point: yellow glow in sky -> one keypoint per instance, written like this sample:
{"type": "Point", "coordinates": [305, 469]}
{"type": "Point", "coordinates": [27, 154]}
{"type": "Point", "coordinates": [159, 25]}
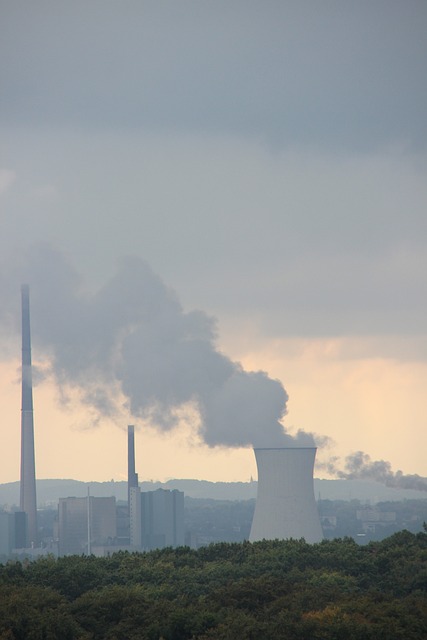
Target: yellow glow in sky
{"type": "Point", "coordinates": [374, 405]}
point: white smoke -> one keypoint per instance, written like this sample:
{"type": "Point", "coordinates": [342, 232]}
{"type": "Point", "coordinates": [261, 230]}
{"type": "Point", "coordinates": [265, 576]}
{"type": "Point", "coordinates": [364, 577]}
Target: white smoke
{"type": "Point", "coordinates": [133, 339]}
{"type": "Point", "coordinates": [359, 466]}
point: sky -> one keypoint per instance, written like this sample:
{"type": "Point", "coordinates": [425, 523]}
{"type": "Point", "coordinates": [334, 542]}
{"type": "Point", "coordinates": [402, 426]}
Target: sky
{"type": "Point", "coordinates": [220, 209]}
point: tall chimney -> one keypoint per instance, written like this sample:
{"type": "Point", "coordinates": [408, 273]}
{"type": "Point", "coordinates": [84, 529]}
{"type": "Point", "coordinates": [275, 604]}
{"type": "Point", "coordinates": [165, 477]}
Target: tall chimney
{"type": "Point", "coordinates": [28, 470]}
{"type": "Point", "coordinates": [132, 476]}
{"type": "Point", "coordinates": [285, 506]}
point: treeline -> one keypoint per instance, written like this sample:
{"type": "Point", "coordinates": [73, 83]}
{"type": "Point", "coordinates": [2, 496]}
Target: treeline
{"type": "Point", "coordinates": [268, 590]}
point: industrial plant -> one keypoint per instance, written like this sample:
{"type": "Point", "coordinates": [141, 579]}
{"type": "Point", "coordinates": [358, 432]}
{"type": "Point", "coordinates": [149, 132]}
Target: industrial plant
{"type": "Point", "coordinates": [285, 505]}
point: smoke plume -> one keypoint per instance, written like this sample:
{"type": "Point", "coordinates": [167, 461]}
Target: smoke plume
{"type": "Point", "coordinates": [132, 339]}
{"type": "Point", "coordinates": [359, 466]}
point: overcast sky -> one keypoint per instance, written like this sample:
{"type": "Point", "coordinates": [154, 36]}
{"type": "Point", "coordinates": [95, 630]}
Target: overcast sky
{"type": "Point", "coordinates": [265, 163]}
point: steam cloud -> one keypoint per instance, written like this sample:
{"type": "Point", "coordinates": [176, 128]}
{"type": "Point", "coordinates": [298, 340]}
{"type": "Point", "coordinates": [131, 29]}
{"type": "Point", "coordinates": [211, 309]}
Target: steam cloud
{"type": "Point", "coordinates": [133, 337]}
{"type": "Point", "coordinates": [359, 466]}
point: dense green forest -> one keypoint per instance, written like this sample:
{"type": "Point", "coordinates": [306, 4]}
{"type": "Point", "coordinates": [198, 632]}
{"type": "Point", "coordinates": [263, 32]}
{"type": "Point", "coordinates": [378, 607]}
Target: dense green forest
{"type": "Point", "coordinates": [228, 591]}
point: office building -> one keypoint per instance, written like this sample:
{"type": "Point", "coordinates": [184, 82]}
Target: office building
{"type": "Point", "coordinates": [86, 522]}
{"type": "Point", "coordinates": [156, 519]}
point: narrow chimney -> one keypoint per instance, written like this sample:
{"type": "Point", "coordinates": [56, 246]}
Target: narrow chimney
{"type": "Point", "coordinates": [132, 476]}
{"type": "Point", "coordinates": [28, 470]}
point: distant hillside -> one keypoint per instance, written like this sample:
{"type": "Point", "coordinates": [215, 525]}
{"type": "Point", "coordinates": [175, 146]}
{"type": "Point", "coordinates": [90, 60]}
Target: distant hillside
{"type": "Point", "coordinates": [49, 491]}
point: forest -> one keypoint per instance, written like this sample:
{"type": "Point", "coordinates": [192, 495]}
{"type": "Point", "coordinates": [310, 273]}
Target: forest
{"type": "Point", "coordinates": [281, 590]}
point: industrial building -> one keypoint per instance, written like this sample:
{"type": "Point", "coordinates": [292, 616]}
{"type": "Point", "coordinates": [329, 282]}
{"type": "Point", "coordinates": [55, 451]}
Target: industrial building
{"type": "Point", "coordinates": [156, 519]}
{"type": "Point", "coordinates": [13, 531]}
{"type": "Point", "coordinates": [7, 533]}
{"type": "Point", "coordinates": [84, 523]}
{"type": "Point", "coordinates": [285, 505]}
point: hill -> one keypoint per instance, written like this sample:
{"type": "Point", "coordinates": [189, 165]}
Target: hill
{"type": "Point", "coordinates": [50, 490]}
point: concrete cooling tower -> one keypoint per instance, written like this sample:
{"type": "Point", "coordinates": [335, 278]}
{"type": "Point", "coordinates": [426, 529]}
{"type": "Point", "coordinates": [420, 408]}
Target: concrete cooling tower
{"type": "Point", "coordinates": [285, 506]}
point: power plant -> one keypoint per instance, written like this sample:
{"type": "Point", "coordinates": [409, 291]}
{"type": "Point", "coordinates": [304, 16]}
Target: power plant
{"type": "Point", "coordinates": [28, 502]}
{"type": "Point", "coordinates": [143, 519]}
{"type": "Point", "coordinates": [285, 505]}
{"type": "Point", "coordinates": [156, 518]}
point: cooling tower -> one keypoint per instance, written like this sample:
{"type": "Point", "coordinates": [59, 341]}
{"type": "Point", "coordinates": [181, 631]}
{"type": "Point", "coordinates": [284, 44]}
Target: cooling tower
{"type": "Point", "coordinates": [285, 506]}
{"type": "Point", "coordinates": [28, 470]}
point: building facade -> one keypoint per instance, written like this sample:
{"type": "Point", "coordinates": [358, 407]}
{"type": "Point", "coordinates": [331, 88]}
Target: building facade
{"type": "Point", "coordinates": [85, 522]}
{"type": "Point", "coordinates": [7, 533]}
{"type": "Point", "coordinates": [156, 519]}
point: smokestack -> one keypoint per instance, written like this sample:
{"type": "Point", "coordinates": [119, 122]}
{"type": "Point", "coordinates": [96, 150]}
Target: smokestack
{"type": "Point", "coordinates": [28, 470]}
{"type": "Point", "coordinates": [285, 506]}
{"type": "Point", "coordinates": [132, 476]}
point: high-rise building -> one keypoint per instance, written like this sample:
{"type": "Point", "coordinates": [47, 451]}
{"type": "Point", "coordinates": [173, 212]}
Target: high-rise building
{"type": "Point", "coordinates": [28, 471]}
{"type": "Point", "coordinates": [20, 529]}
{"type": "Point", "coordinates": [285, 505]}
{"type": "Point", "coordinates": [7, 533]}
{"type": "Point", "coordinates": [84, 522]}
{"type": "Point", "coordinates": [13, 533]}
{"type": "Point", "coordinates": [156, 519]}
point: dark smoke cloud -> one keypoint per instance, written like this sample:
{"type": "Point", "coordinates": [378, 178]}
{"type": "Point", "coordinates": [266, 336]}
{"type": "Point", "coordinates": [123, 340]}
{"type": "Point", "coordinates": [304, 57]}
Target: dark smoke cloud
{"type": "Point", "coordinates": [132, 339]}
{"type": "Point", "coordinates": [359, 466]}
